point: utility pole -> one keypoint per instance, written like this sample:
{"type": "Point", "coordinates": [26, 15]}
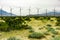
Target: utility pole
{"type": "Point", "coordinates": [29, 11]}
{"type": "Point", "coordinates": [38, 11]}
{"type": "Point", "coordinates": [20, 11]}
{"type": "Point", "coordinates": [46, 12]}
{"type": "Point", "coordinates": [54, 11]}
{"type": "Point", "coordinates": [11, 11]}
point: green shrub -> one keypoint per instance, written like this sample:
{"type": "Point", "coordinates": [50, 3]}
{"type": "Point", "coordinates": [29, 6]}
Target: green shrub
{"type": "Point", "coordinates": [51, 30]}
{"type": "Point", "coordinates": [44, 18]}
{"type": "Point", "coordinates": [28, 27]}
{"type": "Point", "coordinates": [51, 20]}
{"type": "Point", "coordinates": [12, 38]}
{"type": "Point", "coordinates": [48, 25]}
{"type": "Point", "coordinates": [57, 24]}
{"type": "Point", "coordinates": [46, 33]}
{"type": "Point", "coordinates": [58, 21]}
{"type": "Point", "coordinates": [56, 38]}
{"type": "Point", "coordinates": [40, 28]}
{"type": "Point", "coordinates": [58, 28]}
{"type": "Point", "coordinates": [14, 23]}
{"type": "Point", "coordinates": [36, 17]}
{"type": "Point", "coordinates": [31, 30]}
{"type": "Point", "coordinates": [27, 19]}
{"type": "Point", "coordinates": [3, 26]}
{"type": "Point", "coordinates": [48, 28]}
{"type": "Point", "coordinates": [36, 35]}
{"type": "Point", "coordinates": [53, 36]}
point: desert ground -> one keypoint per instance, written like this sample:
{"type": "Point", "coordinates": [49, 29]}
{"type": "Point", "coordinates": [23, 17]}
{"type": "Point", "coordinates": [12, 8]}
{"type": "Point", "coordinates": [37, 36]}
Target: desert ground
{"type": "Point", "coordinates": [48, 27]}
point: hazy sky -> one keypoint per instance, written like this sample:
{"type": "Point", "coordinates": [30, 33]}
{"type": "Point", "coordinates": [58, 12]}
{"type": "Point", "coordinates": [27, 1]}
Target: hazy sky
{"type": "Point", "coordinates": [30, 3]}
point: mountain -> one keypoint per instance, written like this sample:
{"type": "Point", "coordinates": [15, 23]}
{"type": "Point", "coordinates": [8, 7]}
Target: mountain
{"type": "Point", "coordinates": [46, 14]}
{"type": "Point", "coordinates": [5, 13]}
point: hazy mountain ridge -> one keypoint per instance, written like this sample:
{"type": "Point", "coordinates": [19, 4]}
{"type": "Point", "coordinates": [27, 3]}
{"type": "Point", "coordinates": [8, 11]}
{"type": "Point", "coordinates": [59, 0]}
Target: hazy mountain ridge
{"type": "Point", "coordinates": [5, 13]}
{"type": "Point", "coordinates": [46, 14]}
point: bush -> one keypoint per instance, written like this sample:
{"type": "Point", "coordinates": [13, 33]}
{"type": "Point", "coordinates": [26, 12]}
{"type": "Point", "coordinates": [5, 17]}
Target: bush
{"type": "Point", "coordinates": [40, 28]}
{"type": "Point", "coordinates": [58, 28]}
{"type": "Point", "coordinates": [12, 38]}
{"type": "Point", "coordinates": [36, 35]}
{"type": "Point", "coordinates": [27, 19]}
{"type": "Point", "coordinates": [15, 23]}
{"type": "Point", "coordinates": [28, 27]}
{"type": "Point", "coordinates": [36, 17]}
{"type": "Point", "coordinates": [53, 36]}
{"type": "Point", "coordinates": [46, 33]}
{"type": "Point", "coordinates": [56, 38]}
{"type": "Point", "coordinates": [31, 30]}
{"type": "Point", "coordinates": [58, 21]}
{"type": "Point", "coordinates": [51, 20]}
{"type": "Point", "coordinates": [58, 24]}
{"type": "Point", "coordinates": [48, 28]}
{"type": "Point", "coordinates": [48, 25]}
{"type": "Point", "coordinates": [3, 26]}
{"type": "Point", "coordinates": [51, 30]}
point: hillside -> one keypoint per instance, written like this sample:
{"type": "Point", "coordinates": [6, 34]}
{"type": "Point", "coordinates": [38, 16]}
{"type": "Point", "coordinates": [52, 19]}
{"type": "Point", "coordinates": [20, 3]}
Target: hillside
{"type": "Point", "coordinates": [46, 14]}
{"type": "Point", "coordinates": [5, 13]}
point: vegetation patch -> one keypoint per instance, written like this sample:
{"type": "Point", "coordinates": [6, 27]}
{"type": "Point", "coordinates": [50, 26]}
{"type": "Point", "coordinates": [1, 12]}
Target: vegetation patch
{"type": "Point", "coordinates": [13, 23]}
{"type": "Point", "coordinates": [3, 26]}
{"type": "Point", "coordinates": [57, 28]}
{"type": "Point", "coordinates": [56, 38]}
{"type": "Point", "coordinates": [48, 25]}
{"type": "Point", "coordinates": [52, 30]}
{"type": "Point", "coordinates": [13, 38]}
{"type": "Point", "coordinates": [20, 26]}
{"type": "Point", "coordinates": [36, 35]}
